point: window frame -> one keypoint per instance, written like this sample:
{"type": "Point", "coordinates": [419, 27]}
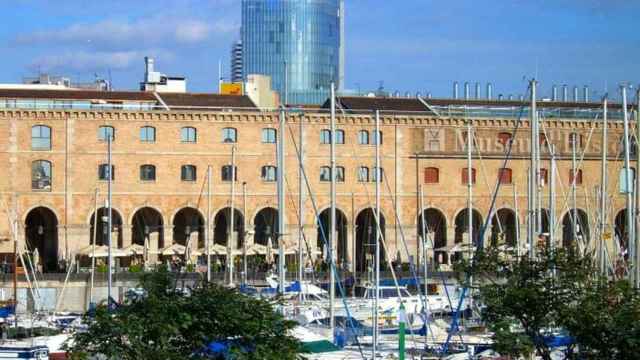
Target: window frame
{"type": "Point", "coordinates": [104, 138]}
{"type": "Point", "coordinates": [184, 173]}
{"type": "Point", "coordinates": [379, 135]}
{"type": "Point", "coordinates": [229, 140]}
{"type": "Point", "coordinates": [340, 137]}
{"type": "Point", "coordinates": [578, 177]}
{"type": "Point", "coordinates": [224, 171]}
{"type": "Point", "coordinates": [41, 127]}
{"type": "Point", "coordinates": [340, 174]}
{"type": "Point", "coordinates": [43, 179]}
{"type": "Point", "coordinates": [104, 166]}
{"type": "Point", "coordinates": [505, 176]}
{"type": "Point", "coordinates": [325, 174]}
{"type": "Point", "coordinates": [365, 170]}
{"type": "Point", "coordinates": [269, 131]}
{"type": "Point", "coordinates": [185, 135]}
{"type": "Point", "coordinates": [265, 171]}
{"type": "Point", "coordinates": [145, 130]}
{"type": "Point", "coordinates": [375, 173]}
{"type": "Point", "coordinates": [464, 176]}
{"type": "Point", "coordinates": [437, 175]}
{"type": "Point", "coordinates": [144, 168]}
{"type": "Point", "coordinates": [363, 137]}
{"type": "Point", "coordinates": [324, 140]}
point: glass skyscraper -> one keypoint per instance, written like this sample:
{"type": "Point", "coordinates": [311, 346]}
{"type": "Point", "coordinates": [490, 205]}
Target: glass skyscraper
{"type": "Point", "coordinates": [299, 43]}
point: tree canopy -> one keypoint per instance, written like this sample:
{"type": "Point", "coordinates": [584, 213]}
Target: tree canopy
{"type": "Point", "coordinates": [527, 300]}
{"type": "Point", "coordinates": [170, 323]}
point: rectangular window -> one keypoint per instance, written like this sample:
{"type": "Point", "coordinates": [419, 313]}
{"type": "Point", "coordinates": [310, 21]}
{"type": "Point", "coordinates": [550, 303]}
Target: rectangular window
{"type": "Point", "coordinates": [188, 173]}
{"type": "Point", "coordinates": [465, 176]}
{"type": "Point", "coordinates": [578, 177]}
{"type": "Point", "coordinates": [504, 175]}
{"type": "Point", "coordinates": [104, 132]}
{"type": "Point", "coordinates": [41, 175]}
{"type": "Point", "coordinates": [363, 174]}
{"type": "Point", "coordinates": [228, 171]}
{"type": "Point", "coordinates": [431, 175]}
{"type": "Point", "coordinates": [147, 173]}
{"type": "Point", "coordinates": [148, 134]}
{"type": "Point", "coordinates": [269, 136]}
{"type": "Point", "coordinates": [268, 173]}
{"type": "Point", "coordinates": [103, 172]}
{"type": "Point", "coordinates": [376, 172]}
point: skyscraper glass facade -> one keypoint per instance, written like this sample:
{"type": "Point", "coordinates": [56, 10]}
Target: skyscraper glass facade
{"type": "Point", "coordinates": [296, 42]}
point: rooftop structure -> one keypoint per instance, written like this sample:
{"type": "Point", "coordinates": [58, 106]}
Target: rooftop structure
{"type": "Point", "coordinates": [158, 82]}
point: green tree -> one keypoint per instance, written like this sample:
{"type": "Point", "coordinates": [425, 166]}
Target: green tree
{"type": "Point", "coordinates": [169, 323]}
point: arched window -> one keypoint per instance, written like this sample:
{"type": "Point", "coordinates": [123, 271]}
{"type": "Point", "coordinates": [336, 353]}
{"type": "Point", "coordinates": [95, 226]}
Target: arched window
{"type": "Point", "coordinates": [339, 136]}
{"type": "Point", "coordinates": [104, 132]}
{"type": "Point", "coordinates": [188, 134]}
{"type": "Point", "coordinates": [268, 173]}
{"type": "Point", "coordinates": [377, 139]}
{"type": "Point", "coordinates": [363, 137]}
{"type": "Point", "coordinates": [188, 173]}
{"type": "Point", "coordinates": [465, 173]}
{"type": "Point", "coordinates": [148, 134]}
{"type": "Point", "coordinates": [504, 175]}
{"type": "Point", "coordinates": [41, 175]}
{"type": "Point", "coordinates": [40, 137]}
{"type": "Point", "coordinates": [228, 173]}
{"type": "Point", "coordinates": [431, 175]}
{"type": "Point", "coordinates": [229, 135]}
{"type": "Point", "coordinates": [325, 136]}
{"type": "Point", "coordinates": [340, 173]}
{"type": "Point", "coordinates": [325, 173]}
{"type": "Point", "coordinates": [148, 172]}
{"type": "Point", "coordinates": [103, 172]}
{"type": "Point", "coordinates": [578, 177]}
{"type": "Point", "coordinates": [269, 136]}
{"type": "Point", "coordinates": [363, 174]}
{"type": "Point", "coordinates": [504, 138]}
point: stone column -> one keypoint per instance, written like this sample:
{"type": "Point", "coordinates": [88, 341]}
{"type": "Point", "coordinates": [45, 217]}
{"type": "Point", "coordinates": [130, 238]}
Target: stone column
{"type": "Point", "coordinates": [127, 238]}
{"type": "Point", "coordinates": [153, 243]}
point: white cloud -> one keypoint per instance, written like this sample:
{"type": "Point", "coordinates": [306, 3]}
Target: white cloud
{"type": "Point", "coordinates": [115, 34]}
{"type": "Point", "coordinates": [94, 61]}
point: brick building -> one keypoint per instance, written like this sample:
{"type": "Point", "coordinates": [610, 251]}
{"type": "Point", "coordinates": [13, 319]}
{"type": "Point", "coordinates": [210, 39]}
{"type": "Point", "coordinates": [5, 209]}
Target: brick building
{"type": "Point", "coordinates": [53, 160]}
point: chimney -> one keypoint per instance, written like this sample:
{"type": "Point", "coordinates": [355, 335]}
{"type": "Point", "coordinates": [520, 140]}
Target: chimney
{"type": "Point", "coordinates": [489, 91]}
{"type": "Point", "coordinates": [554, 93]}
{"type": "Point", "coordinates": [586, 93]}
{"type": "Point", "coordinates": [575, 94]}
{"type": "Point", "coordinates": [455, 90]}
{"type": "Point", "coordinates": [466, 90]}
{"type": "Point", "coordinates": [500, 97]}
{"type": "Point", "coordinates": [565, 93]}
{"type": "Point", "coordinates": [510, 97]}
{"type": "Point", "coordinates": [429, 95]}
{"type": "Point", "coordinates": [148, 67]}
{"type": "Point", "coordinates": [477, 90]}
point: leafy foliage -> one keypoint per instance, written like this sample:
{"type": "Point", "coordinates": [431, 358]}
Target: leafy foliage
{"type": "Point", "coordinates": [527, 299]}
{"type": "Point", "coordinates": [170, 323]}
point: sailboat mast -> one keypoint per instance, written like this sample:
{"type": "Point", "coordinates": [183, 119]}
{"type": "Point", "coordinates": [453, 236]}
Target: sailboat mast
{"type": "Point", "coordinates": [300, 203]}
{"type": "Point", "coordinates": [628, 189]}
{"type": "Point", "coordinates": [603, 188]}
{"type": "Point", "coordinates": [93, 243]}
{"type": "Point", "coordinates": [552, 197]}
{"type": "Point", "coordinates": [637, 219]}
{"type": "Point", "coordinates": [533, 187]}
{"type": "Point", "coordinates": [109, 218]}
{"type": "Point", "coordinates": [378, 173]}
{"type": "Point", "coordinates": [469, 186]}
{"type": "Point", "coordinates": [244, 232]}
{"type": "Point", "coordinates": [207, 232]}
{"type": "Point", "coordinates": [281, 201]}
{"type": "Point", "coordinates": [424, 256]}
{"type": "Point", "coordinates": [332, 229]}
{"type": "Point", "coordinates": [231, 241]}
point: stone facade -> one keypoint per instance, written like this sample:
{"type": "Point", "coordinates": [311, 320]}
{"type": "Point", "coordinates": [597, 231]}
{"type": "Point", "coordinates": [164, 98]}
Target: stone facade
{"type": "Point", "coordinates": [410, 144]}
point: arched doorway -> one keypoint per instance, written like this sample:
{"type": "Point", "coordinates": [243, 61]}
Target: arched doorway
{"type": "Point", "coordinates": [366, 230]}
{"type": "Point", "coordinates": [221, 229]}
{"type": "Point", "coordinates": [41, 232]}
{"type": "Point", "coordinates": [148, 228]}
{"type": "Point", "coordinates": [575, 225]}
{"type": "Point", "coordinates": [435, 230]}
{"type": "Point", "coordinates": [266, 227]}
{"type": "Point", "coordinates": [101, 232]}
{"type": "Point", "coordinates": [188, 223]}
{"type": "Point", "coordinates": [462, 227]}
{"type": "Point", "coordinates": [504, 228]}
{"type": "Point", "coordinates": [622, 234]}
{"type": "Point", "coordinates": [324, 233]}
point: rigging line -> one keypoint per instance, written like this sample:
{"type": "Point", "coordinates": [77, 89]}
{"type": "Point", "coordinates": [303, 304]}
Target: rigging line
{"type": "Point", "coordinates": [304, 237]}
{"type": "Point", "coordinates": [379, 173]}
{"type": "Point", "coordinates": [324, 239]}
{"type": "Point", "coordinates": [454, 325]}
{"type": "Point", "coordinates": [406, 248]}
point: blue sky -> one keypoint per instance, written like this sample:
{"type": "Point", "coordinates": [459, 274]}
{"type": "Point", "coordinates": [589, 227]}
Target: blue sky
{"type": "Point", "coordinates": [410, 45]}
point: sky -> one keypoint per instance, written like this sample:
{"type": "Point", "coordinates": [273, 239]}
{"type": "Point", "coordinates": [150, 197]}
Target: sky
{"type": "Point", "coordinates": [403, 45]}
